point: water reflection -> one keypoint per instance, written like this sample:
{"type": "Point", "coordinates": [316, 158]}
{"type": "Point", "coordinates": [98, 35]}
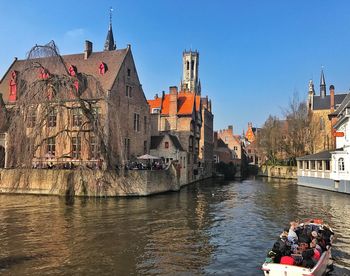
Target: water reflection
{"type": "Point", "coordinates": [213, 227]}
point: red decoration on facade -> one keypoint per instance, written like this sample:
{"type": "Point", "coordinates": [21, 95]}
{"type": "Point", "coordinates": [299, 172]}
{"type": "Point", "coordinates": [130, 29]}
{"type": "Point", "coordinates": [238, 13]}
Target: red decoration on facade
{"type": "Point", "coordinates": [44, 74]}
{"type": "Point", "coordinates": [73, 72]}
{"type": "Point", "coordinates": [102, 68]}
{"type": "Point", "coordinates": [13, 87]}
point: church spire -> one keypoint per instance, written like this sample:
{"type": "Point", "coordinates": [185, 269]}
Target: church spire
{"type": "Point", "coordinates": [110, 43]}
{"type": "Point", "coordinates": [322, 85]}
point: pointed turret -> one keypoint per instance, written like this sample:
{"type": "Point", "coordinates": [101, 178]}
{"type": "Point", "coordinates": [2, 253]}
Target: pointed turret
{"type": "Point", "coordinates": [110, 43]}
{"type": "Point", "coordinates": [322, 85]}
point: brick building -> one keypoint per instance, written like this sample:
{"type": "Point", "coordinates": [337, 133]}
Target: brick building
{"type": "Point", "coordinates": [88, 107]}
{"type": "Point", "coordinates": [319, 107]}
{"type": "Point", "coordinates": [187, 116]}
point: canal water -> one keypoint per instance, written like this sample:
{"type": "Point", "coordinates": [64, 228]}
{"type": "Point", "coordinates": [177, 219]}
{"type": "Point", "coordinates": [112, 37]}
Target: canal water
{"type": "Point", "coordinates": [212, 227]}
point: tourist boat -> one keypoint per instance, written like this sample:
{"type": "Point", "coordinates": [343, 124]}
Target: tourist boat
{"type": "Point", "coordinates": [321, 267]}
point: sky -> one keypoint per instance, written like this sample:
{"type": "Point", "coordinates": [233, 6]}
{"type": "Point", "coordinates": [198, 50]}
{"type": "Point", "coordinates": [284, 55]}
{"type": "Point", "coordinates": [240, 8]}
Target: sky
{"type": "Point", "coordinates": [254, 55]}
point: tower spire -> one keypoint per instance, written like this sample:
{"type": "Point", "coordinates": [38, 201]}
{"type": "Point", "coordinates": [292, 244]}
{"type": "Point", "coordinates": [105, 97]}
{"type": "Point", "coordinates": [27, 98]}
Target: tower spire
{"type": "Point", "coordinates": [110, 43]}
{"type": "Point", "coordinates": [322, 85]}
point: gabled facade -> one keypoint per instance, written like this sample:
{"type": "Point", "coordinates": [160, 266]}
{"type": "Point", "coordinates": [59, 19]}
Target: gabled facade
{"type": "Point", "coordinates": [319, 107]}
{"type": "Point", "coordinates": [84, 109]}
{"type": "Point", "coordinates": [179, 114]}
{"type": "Point", "coordinates": [168, 148]}
{"type": "Point", "coordinates": [341, 156]}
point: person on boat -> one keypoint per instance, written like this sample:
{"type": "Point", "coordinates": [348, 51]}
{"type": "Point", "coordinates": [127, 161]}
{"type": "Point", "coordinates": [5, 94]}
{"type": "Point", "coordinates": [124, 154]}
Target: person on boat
{"type": "Point", "coordinates": [315, 246]}
{"type": "Point", "coordinates": [281, 247]}
{"type": "Point", "coordinates": [308, 261]}
{"type": "Point", "coordinates": [292, 235]}
{"type": "Point", "coordinates": [287, 260]}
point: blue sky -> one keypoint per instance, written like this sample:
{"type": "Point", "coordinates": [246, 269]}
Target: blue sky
{"type": "Point", "coordinates": [254, 54]}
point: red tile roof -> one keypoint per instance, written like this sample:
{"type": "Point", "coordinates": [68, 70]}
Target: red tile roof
{"type": "Point", "coordinates": [187, 102]}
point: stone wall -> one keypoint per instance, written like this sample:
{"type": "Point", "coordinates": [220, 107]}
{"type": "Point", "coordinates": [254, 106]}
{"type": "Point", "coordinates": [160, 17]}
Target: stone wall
{"type": "Point", "coordinates": [286, 172]}
{"type": "Point", "coordinates": [88, 182]}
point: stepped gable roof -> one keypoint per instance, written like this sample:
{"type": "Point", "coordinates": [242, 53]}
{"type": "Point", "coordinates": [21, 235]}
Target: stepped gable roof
{"type": "Point", "coordinates": [89, 66]}
{"type": "Point", "coordinates": [156, 140]}
{"type": "Point", "coordinates": [320, 103]}
{"type": "Point", "coordinates": [186, 103]}
{"type": "Point", "coordinates": [323, 155]}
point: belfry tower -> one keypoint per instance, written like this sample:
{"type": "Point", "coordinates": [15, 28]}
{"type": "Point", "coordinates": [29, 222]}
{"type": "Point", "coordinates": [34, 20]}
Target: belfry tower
{"type": "Point", "coordinates": [110, 43]}
{"type": "Point", "coordinates": [190, 81]}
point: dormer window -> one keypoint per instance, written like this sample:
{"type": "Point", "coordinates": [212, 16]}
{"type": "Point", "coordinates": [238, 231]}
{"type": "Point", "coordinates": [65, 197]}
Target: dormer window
{"type": "Point", "coordinates": [72, 70]}
{"type": "Point", "coordinates": [44, 74]}
{"type": "Point", "coordinates": [156, 110]}
{"type": "Point", "coordinates": [102, 68]}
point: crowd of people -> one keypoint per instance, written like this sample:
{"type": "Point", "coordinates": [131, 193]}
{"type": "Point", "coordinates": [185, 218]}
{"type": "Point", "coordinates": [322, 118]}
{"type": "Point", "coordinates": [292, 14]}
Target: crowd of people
{"type": "Point", "coordinates": [155, 165]}
{"type": "Point", "coordinates": [301, 244]}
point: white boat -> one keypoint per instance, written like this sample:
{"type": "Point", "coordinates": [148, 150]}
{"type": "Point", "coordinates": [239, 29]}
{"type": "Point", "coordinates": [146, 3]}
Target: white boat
{"type": "Point", "coordinates": [320, 268]}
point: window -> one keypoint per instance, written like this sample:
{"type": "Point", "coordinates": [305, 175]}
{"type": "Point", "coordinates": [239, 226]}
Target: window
{"type": "Point", "coordinates": [145, 124]}
{"type": "Point", "coordinates": [155, 110]}
{"type": "Point", "coordinates": [144, 147]}
{"type": "Point", "coordinates": [96, 112]}
{"type": "Point", "coordinates": [235, 148]}
{"type": "Point", "coordinates": [31, 117]}
{"type": "Point", "coordinates": [166, 145]}
{"type": "Point", "coordinates": [127, 147]}
{"type": "Point", "coordinates": [128, 91]}
{"type": "Point", "coordinates": [226, 139]}
{"type": "Point", "coordinates": [51, 146]}
{"type": "Point", "coordinates": [328, 165]}
{"type": "Point", "coordinates": [52, 118]}
{"type": "Point", "coordinates": [341, 165]}
{"type": "Point", "coordinates": [136, 122]}
{"type": "Point", "coordinates": [313, 165]}
{"type": "Point", "coordinates": [190, 147]}
{"type": "Point", "coordinates": [307, 165]}
{"type": "Point", "coordinates": [129, 72]}
{"type": "Point", "coordinates": [94, 147]}
{"type": "Point", "coordinates": [77, 117]}
{"type": "Point", "coordinates": [76, 147]}
{"type": "Point", "coordinates": [192, 65]}
{"type": "Point", "coordinates": [188, 65]}
{"type": "Point", "coordinates": [319, 165]}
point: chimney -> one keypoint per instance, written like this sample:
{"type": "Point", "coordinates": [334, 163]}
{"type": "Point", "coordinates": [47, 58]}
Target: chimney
{"type": "Point", "coordinates": [331, 93]}
{"type": "Point", "coordinates": [230, 128]}
{"type": "Point", "coordinates": [88, 49]}
{"type": "Point", "coordinates": [172, 100]}
{"type": "Point", "coordinates": [250, 125]}
{"type": "Point", "coordinates": [156, 96]}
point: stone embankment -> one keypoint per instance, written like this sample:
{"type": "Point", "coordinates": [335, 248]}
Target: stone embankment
{"type": "Point", "coordinates": [84, 182]}
{"type": "Point", "coordinates": [286, 172]}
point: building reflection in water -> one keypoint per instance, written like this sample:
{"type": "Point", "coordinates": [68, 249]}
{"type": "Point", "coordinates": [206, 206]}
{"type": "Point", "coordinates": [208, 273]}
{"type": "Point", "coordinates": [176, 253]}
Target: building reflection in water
{"type": "Point", "coordinates": [210, 227]}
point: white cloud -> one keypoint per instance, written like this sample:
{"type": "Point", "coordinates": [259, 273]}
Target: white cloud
{"type": "Point", "coordinates": [75, 33]}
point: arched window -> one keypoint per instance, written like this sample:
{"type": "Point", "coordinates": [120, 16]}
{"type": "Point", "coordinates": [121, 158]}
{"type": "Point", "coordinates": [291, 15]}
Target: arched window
{"type": "Point", "coordinates": [322, 126]}
{"type": "Point", "coordinates": [341, 165]}
{"type": "Point", "coordinates": [188, 65]}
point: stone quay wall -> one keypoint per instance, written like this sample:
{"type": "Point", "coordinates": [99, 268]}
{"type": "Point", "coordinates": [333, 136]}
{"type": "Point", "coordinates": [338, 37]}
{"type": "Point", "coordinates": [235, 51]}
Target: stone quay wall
{"type": "Point", "coordinates": [84, 182]}
{"type": "Point", "coordinates": [286, 172]}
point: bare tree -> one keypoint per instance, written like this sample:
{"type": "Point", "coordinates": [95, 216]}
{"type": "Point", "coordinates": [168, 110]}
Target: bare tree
{"type": "Point", "coordinates": [66, 95]}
